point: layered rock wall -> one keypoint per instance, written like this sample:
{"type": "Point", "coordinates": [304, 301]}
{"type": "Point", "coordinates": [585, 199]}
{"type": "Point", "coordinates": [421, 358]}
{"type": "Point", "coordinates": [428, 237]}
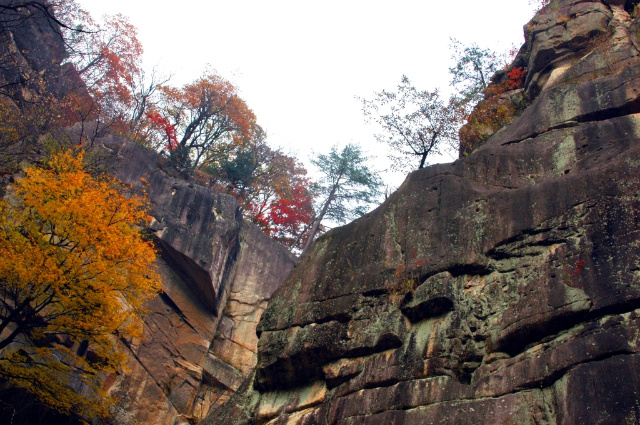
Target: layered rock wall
{"type": "Point", "coordinates": [218, 274]}
{"type": "Point", "coordinates": [503, 288]}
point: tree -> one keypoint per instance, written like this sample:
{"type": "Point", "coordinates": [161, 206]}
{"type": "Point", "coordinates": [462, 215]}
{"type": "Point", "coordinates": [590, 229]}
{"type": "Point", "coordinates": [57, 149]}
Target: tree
{"type": "Point", "coordinates": [417, 123]}
{"type": "Point", "coordinates": [488, 99]}
{"type": "Point", "coordinates": [204, 114]}
{"type": "Point", "coordinates": [107, 56]}
{"type": "Point", "coordinates": [288, 216]}
{"type": "Point", "coordinates": [74, 274]}
{"type": "Point", "coordinates": [45, 95]}
{"type": "Point", "coordinates": [271, 187]}
{"type": "Point", "coordinates": [472, 72]}
{"type": "Point", "coordinates": [347, 186]}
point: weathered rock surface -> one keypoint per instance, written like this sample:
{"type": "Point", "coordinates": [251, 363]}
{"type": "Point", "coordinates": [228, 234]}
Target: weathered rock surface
{"type": "Point", "coordinates": [218, 274]}
{"type": "Point", "coordinates": [503, 288]}
{"type": "Point", "coordinates": [30, 47]}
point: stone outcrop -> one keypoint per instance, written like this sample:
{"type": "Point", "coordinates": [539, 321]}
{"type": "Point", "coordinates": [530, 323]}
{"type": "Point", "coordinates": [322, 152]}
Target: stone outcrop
{"type": "Point", "coordinates": [218, 274]}
{"type": "Point", "coordinates": [503, 288]}
{"type": "Point", "coordinates": [30, 47]}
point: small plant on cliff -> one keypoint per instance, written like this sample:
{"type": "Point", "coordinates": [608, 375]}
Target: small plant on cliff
{"type": "Point", "coordinates": [571, 275]}
{"type": "Point", "coordinates": [498, 108]}
{"type": "Point", "coordinates": [74, 273]}
{"type": "Point", "coordinates": [486, 105]}
{"type": "Point", "coordinates": [407, 274]}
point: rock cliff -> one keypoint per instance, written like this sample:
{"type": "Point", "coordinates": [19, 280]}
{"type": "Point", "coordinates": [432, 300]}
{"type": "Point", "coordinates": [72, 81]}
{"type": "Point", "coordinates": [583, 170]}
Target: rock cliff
{"type": "Point", "coordinates": [503, 288]}
{"type": "Point", "coordinates": [218, 272]}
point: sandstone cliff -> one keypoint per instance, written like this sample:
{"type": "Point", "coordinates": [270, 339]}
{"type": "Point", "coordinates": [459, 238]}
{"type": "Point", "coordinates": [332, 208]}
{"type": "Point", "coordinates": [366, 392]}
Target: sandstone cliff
{"type": "Point", "coordinates": [218, 272]}
{"type": "Point", "coordinates": [503, 288]}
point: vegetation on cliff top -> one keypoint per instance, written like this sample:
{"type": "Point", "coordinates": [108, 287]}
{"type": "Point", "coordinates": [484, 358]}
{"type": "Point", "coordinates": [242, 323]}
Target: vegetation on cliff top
{"type": "Point", "coordinates": [347, 186]}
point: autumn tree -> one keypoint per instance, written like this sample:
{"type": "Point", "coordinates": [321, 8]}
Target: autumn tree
{"type": "Point", "coordinates": [74, 274]}
{"type": "Point", "coordinates": [280, 200]}
{"type": "Point", "coordinates": [347, 187]}
{"type": "Point", "coordinates": [98, 69]}
{"type": "Point", "coordinates": [39, 93]}
{"type": "Point", "coordinates": [489, 92]}
{"type": "Point", "coordinates": [472, 72]}
{"type": "Point", "coordinates": [205, 115]}
{"type": "Point", "coordinates": [416, 123]}
{"type": "Point", "coordinates": [288, 216]}
{"type": "Point", "coordinates": [272, 188]}
{"type": "Point", "coordinates": [107, 56]}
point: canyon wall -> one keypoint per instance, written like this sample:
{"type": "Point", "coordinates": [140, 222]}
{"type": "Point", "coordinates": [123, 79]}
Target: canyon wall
{"type": "Point", "coordinates": [503, 288]}
{"type": "Point", "coordinates": [218, 273]}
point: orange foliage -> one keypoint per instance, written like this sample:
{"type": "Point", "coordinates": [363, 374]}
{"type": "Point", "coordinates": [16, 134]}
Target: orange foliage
{"type": "Point", "coordinates": [515, 78]}
{"type": "Point", "coordinates": [106, 86]}
{"type": "Point", "coordinates": [205, 113]}
{"type": "Point", "coordinates": [74, 268]}
{"type": "Point", "coordinates": [497, 109]}
{"type": "Point", "coordinates": [108, 58]}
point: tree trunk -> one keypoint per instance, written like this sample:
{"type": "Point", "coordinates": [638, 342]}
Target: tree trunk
{"type": "Point", "coordinates": [423, 160]}
{"type": "Point", "coordinates": [316, 223]}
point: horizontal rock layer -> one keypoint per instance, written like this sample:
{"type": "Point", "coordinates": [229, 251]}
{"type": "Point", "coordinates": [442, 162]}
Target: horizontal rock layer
{"type": "Point", "coordinates": [503, 288]}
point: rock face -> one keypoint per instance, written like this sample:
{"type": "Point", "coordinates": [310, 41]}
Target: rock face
{"type": "Point", "coordinates": [29, 46]}
{"type": "Point", "coordinates": [218, 274]}
{"type": "Point", "coordinates": [503, 288]}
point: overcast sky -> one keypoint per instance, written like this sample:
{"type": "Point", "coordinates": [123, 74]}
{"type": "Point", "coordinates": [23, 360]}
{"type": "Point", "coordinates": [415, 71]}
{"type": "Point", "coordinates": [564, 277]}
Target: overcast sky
{"type": "Point", "coordinates": [300, 64]}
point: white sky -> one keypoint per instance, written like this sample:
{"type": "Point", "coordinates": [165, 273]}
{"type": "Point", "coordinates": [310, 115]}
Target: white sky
{"type": "Point", "coordinates": [300, 64]}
